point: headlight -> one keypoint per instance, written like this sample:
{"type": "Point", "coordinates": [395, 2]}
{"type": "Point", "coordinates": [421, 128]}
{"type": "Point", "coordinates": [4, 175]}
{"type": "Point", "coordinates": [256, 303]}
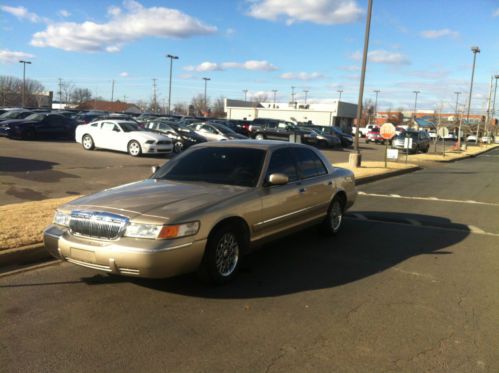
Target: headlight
{"type": "Point", "coordinates": [60, 218]}
{"type": "Point", "coordinates": [150, 142]}
{"type": "Point", "coordinates": [161, 231]}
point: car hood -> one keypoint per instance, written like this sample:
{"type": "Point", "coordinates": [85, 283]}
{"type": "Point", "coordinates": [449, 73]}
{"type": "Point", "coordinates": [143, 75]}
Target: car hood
{"type": "Point", "coordinates": [146, 135]}
{"type": "Point", "coordinates": [153, 198]}
{"type": "Point", "coordinates": [16, 121]}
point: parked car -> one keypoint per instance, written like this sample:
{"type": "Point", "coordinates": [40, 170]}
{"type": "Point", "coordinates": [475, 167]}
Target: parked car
{"type": "Point", "coordinates": [325, 140]}
{"type": "Point", "coordinates": [122, 136]}
{"type": "Point", "coordinates": [182, 137]}
{"type": "Point", "coordinates": [374, 135]}
{"type": "Point", "coordinates": [239, 126]}
{"type": "Point", "coordinates": [346, 139]}
{"type": "Point", "coordinates": [85, 118]}
{"type": "Point", "coordinates": [487, 139]}
{"type": "Point", "coordinates": [471, 138]}
{"type": "Point", "coordinates": [39, 126]}
{"type": "Point", "coordinates": [363, 131]}
{"type": "Point", "coordinates": [433, 135]}
{"type": "Point", "coordinates": [420, 141]}
{"type": "Point", "coordinates": [215, 131]}
{"type": "Point", "coordinates": [15, 114]}
{"type": "Point", "coordinates": [274, 129]}
{"type": "Point", "coordinates": [203, 210]}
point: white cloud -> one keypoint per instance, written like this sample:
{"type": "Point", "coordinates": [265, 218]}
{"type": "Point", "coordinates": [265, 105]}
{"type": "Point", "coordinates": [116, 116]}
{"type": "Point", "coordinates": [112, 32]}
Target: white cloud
{"type": "Point", "coordinates": [434, 34]}
{"type": "Point", "coordinates": [22, 13]}
{"type": "Point", "coordinates": [124, 74]}
{"type": "Point", "coordinates": [125, 25]}
{"type": "Point", "coordinates": [326, 12]}
{"type": "Point", "coordinates": [302, 76]}
{"type": "Point", "coordinates": [7, 56]}
{"type": "Point", "coordinates": [252, 65]}
{"type": "Point", "coordinates": [495, 13]}
{"type": "Point", "coordinates": [382, 56]}
{"type": "Point", "coordinates": [64, 13]}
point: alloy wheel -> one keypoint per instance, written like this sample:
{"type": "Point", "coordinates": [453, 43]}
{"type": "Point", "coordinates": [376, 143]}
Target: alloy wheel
{"type": "Point", "coordinates": [227, 254]}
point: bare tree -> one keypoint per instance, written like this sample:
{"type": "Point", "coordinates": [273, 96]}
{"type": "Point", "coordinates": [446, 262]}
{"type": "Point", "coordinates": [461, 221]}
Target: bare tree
{"type": "Point", "coordinates": [11, 91]}
{"type": "Point", "coordinates": [199, 106]}
{"type": "Point", "coordinates": [218, 108]}
{"type": "Point", "coordinates": [260, 97]}
{"type": "Point", "coordinates": [80, 95]}
{"type": "Point", "coordinates": [180, 108]}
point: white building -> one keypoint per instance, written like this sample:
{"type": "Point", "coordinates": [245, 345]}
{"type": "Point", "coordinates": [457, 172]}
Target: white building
{"type": "Point", "coordinates": [338, 113]}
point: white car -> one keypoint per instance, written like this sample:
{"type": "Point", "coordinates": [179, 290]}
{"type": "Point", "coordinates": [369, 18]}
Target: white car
{"type": "Point", "coordinates": [215, 132]}
{"type": "Point", "coordinates": [124, 136]}
{"type": "Point", "coordinates": [471, 138]}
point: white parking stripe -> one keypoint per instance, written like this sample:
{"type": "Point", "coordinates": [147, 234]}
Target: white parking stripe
{"type": "Point", "coordinates": [471, 202]}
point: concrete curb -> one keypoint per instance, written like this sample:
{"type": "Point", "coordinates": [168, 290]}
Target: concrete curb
{"type": "Point", "coordinates": [370, 179]}
{"type": "Point", "coordinates": [25, 255]}
{"type": "Point", "coordinates": [468, 156]}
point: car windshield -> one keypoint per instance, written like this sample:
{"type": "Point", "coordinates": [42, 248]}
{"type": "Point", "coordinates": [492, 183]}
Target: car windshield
{"type": "Point", "coordinates": [217, 165]}
{"type": "Point", "coordinates": [225, 130]}
{"type": "Point", "coordinates": [130, 126]}
{"type": "Point", "coordinates": [11, 114]}
{"type": "Point", "coordinates": [402, 136]}
{"type": "Point", "coordinates": [36, 116]}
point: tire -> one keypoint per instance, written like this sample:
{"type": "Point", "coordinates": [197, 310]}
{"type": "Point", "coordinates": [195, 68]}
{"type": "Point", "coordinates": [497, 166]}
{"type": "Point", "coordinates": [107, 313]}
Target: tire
{"type": "Point", "coordinates": [259, 137]}
{"type": "Point", "coordinates": [87, 142]}
{"type": "Point", "coordinates": [334, 219]}
{"type": "Point", "coordinates": [222, 255]}
{"type": "Point", "coordinates": [323, 144]}
{"type": "Point", "coordinates": [134, 148]}
{"type": "Point", "coordinates": [178, 146]}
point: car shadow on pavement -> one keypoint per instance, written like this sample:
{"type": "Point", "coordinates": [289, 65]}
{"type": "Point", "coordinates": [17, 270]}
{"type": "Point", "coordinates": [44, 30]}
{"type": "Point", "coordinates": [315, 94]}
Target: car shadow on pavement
{"type": "Point", "coordinates": [308, 261]}
{"type": "Point", "coordinates": [14, 164]}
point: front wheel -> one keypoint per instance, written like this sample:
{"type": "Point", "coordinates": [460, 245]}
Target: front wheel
{"type": "Point", "coordinates": [134, 149]}
{"type": "Point", "coordinates": [87, 142]}
{"type": "Point", "coordinates": [334, 218]}
{"type": "Point", "coordinates": [222, 256]}
{"type": "Point", "coordinates": [178, 146]}
{"type": "Point", "coordinates": [259, 137]}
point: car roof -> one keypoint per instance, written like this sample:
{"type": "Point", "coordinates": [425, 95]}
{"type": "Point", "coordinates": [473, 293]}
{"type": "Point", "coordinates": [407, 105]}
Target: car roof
{"type": "Point", "coordinates": [255, 144]}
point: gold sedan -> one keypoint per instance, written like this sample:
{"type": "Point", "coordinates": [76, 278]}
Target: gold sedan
{"type": "Point", "coordinates": [203, 210]}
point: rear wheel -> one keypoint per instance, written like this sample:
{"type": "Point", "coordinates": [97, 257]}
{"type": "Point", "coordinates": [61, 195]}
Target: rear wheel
{"type": "Point", "coordinates": [87, 142]}
{"type": "Point", "coordinates": [134, 148]}
{"type": "Point", "coordinates": [259, 136]}
{"type": "Point", "coordinates": [178, 146]}
{"type": "Point", "coordinates": [334, 219]}
{"type": "Point", "coordinates": [223, 254]}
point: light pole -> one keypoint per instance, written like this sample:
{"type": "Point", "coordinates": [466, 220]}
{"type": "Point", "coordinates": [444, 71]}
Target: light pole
{"type": "Point", "coordinates": [171, 57]}
{"type": "Point", "coordinates": [415, 104]}
{"type": "Point", "coordinates": [293, 94]}
{"type": "Point", "coordinates": [494, 100]}
{"type": "Point", "coordinates": [377, 91]}
{"type": "Point", "coordinates": [205, 85]}
{"type": "Point", "coordinates": [245, 91]}
{"type": "Point", "coordinates": [24, 80]}
{"type": "Point", "coordinates": [457, 101]}
{"type": "Point", "coordinates": [340, 91]}
{"type": "Point", "coordinates": [275, 91]}
{"type": "Point", "coordinates": [306, 95]}
{"type": "Point", "coordinates": [475, 50]}
{"type": "Point", "coordinates": [355, 158]}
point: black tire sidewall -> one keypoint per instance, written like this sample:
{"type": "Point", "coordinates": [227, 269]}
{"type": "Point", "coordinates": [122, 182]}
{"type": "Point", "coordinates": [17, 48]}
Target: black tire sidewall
{"type": "Point", "coordinates": [91, 139]}
{"type": "Point", "coordinates": [326, 227]}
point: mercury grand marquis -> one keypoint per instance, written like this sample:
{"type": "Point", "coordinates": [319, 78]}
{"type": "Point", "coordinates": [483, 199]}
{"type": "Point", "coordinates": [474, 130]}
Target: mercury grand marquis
{"type": "Point", "coordinates": [203, 210]}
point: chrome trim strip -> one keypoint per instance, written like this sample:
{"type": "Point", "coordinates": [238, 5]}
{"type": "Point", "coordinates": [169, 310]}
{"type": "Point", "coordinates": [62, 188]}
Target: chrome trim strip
{"type": "Point", "coordinates": [288, 214]}
{"type": "Point", "coordinates": [88, 265]}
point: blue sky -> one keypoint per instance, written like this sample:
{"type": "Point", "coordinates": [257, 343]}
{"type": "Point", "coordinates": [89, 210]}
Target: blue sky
{"type": "Point", "coordinates": [258, 45]}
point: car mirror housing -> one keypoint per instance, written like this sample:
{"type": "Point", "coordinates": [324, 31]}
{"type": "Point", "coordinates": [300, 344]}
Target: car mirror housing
{"type": "Point", "coordinates": [278, 179]}
{"type": "Point", "coordinates": [154, 169]}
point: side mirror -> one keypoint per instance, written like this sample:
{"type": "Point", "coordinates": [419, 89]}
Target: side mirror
{"type": "Point", "coordinates": [278, 179]}
{"type": "Point", "coordinates": [154, 169]}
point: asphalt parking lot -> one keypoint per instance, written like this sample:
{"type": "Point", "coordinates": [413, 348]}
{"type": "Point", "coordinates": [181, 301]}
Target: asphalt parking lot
{"type": "Point", "coordinates": [37, 170]}
{"type": "Point", "coordinates": [409, 285]}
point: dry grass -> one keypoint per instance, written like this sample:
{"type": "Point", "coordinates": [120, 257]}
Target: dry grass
{"type": "Point", "coordinates": [22, 223]}
{"type": "Point", "coordinates": [451, 155]}
{"type": "Point", "coordinates": [375, 168]}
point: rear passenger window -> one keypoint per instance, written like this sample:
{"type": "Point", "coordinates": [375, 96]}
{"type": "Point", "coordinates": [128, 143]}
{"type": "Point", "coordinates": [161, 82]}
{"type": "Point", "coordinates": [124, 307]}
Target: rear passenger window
{"type": "Point", "coordinates": [282, 162]}
{"type": "Point", "coordinates": [309, 164]}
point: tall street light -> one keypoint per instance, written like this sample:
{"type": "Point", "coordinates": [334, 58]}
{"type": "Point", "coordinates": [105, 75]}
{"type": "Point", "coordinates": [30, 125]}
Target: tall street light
{"type": "Point", "coordinates": [415, 103]}
{"type": "Point", "coordinates": [355, 158]}
{"type": "Point", "coordinates": [275, 91]}
{"type": "Point", "coordinates": [171, 57]}
{"type": "Point", "coordinates": [475, 50]}
{"type": "Point", "coordinates": [340, 91]}
{"type": "Point", "coordinates": [306, 95]}
{"type": "Point", "coordinates": [24, 80]}
{"type": "Point", "coordinates": [245, 91]}
{"type": "Point", "coordinates": [457, 101]}
{"type": "Point", "coordinates": [376, 91]}
{"type": "Point", "coordinates": [293, 94]}
{"type": "Point", "coordinates": [494, 99]}
{"type": "Point", "coordinates": [205, 84]}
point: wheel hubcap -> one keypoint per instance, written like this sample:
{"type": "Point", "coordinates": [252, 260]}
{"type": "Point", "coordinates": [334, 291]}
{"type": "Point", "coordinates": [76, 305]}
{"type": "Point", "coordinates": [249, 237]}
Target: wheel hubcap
{"type": "Point", "coordinates": [227, 254]}
{"type": "Point", "coordinates": [178, 147]}
{"type": "Point", "coordinates": [336, 216]}
{"type": "Point", "coordinates": [134, 148]}
{"type": "Point", "coordinates": [87, 143]}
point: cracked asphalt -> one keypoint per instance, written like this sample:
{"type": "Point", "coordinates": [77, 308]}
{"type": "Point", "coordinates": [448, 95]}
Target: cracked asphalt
{"type": "Point", "coordinates": [408, 285]}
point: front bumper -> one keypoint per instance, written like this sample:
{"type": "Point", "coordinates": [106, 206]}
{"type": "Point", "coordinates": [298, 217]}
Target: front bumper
{"type": "Point", "coordinates": [126, 256]}
{"type": "Point", "coordinates": [155, 149]}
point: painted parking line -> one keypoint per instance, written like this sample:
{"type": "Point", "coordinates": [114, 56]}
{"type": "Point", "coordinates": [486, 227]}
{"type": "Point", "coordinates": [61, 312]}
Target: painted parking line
{"type": "Point", "coordinates": [433, 199]}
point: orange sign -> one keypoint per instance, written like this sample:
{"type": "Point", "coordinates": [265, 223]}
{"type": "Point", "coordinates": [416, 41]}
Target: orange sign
{"type": "Point", "coordinates": [387, 131]}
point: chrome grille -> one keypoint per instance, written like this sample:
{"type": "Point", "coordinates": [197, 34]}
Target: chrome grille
{"type": "Point", "coordinates": [164, 142]}
{"type": "Point", "coordinates": [97, 224]}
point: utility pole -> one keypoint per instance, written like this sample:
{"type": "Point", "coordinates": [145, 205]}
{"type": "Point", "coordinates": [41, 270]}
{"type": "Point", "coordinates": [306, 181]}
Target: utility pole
{"type": "Point", "coordinates": [124, 99]}
{"type": "Point", "coordinates": [112, 92]}
{"type": "Point", "coordinates": [154, 97]}
{"type": "Point", "coordinates": [205, 87]}
{"type": "Point", "coordinates": [24, 80]}
{"type": "Point", "coordinates": [475, 50]}
{"type": "Point", "coordinates": [355, 158]}
{"type": "Point", "coordinates": [340, 91]}
{"type": "Point", "coordinates": [457, 102]}
{"type": "Point", "coordinates": [377, 91]}
{"type": "Point", "coordinates": [306, 95]}
{"type": "Point", "coordinates": [415, 104]}
{"type": "Point", "coordinates": [60, 93]}
{"type": "Point", "coordinates": [489, 104]}
{"type": "Point", "coordinates": [275, 91]}
{"type": "Point", "coordinates": [171, 57]}
{"type": "Point", "coordinates": [494, 100]}
{"type": "Point", "coordinates": [245, 91]}
{"type": "Point", "coordinates": [293, 94]}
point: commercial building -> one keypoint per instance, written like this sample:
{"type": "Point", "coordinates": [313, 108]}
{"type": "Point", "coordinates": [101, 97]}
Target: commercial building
{"type": "Point", "coordinates": [337, 113]}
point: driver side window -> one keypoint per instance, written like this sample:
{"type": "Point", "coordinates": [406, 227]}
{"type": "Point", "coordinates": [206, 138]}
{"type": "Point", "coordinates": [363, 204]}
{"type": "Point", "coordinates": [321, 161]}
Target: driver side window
{"type": "Point", "coordinates": [283, 162]}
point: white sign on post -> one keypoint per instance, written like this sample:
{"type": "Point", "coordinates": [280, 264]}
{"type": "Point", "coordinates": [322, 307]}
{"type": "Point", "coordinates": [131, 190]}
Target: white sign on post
{"type": "Point", "coordinates": [392, 154]}
{"type": "Point", "coordinates": [408, 143]}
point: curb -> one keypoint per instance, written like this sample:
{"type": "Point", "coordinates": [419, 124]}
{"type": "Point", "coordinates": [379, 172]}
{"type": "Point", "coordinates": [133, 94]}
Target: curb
{"type": "Point", "coordinates": [20, 256]}
{"type": "Point", "coordinates": [370, 179]}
